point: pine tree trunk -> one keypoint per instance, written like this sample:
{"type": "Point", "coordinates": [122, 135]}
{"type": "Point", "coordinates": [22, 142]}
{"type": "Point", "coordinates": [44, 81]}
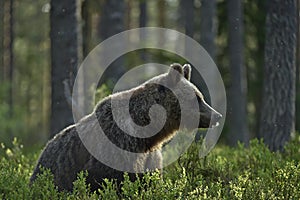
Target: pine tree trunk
{"type": "Point", "coordinates": [208, 26]}
{"type": "Point", "coordinates": [278, 110]}
{"type": "Point", "coordinates": [161, 18]}
{"type": "Point", "coordinates": [187, 15]}
{"type": "Point", "coordinates": [8, 53]}
{"type": "Point", "coordinates": [187, 7]}
{"type": "Point", "coordinates": [86, 48]}
{"type": "Point", "coordinates": [161, 7]}
{"type": "Point", "coordinates": [112, 21]}
{"type": "Point", "coordinates": [86, 28]}
{"type": "Point", "coordinates": [237, 98]}
{"type": "Point", "coordinates": [66, 54]}
{"type": "Point", "coordinates": [298, 72]}
{"type": "Point", "coordinates": [207, 40]}
{"type": "Point", "coordinates": [143, 14]}
{"type": "Point", "coordinates": [128, 19]}
{"type": "Point", "coordinates": [1, 40]}
{"type": "Point", "coordinates": [143, 23]}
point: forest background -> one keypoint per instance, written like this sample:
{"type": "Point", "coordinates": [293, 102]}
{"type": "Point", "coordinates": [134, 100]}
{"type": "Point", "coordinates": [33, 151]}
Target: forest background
{"type": "Point", "coordinates": [235, 33]}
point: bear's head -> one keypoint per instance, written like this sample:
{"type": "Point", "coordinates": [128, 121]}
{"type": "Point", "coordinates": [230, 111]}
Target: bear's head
{"type": "Point", "coordinates": [168, 88]}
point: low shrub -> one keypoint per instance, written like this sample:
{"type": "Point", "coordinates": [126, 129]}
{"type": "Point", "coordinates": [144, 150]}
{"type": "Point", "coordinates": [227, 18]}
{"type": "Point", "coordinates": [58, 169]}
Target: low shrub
{"type": "Point", "coordinates": [226, 173]}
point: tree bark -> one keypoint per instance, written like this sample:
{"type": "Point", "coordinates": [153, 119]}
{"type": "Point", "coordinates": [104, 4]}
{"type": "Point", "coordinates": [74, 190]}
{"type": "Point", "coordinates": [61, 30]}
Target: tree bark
{"type": "Point", "coordinates": [143, 23]}
{"type": "Point", "coordinates": [66, 54]}
{"type": "Point", "coordinates": [208, 26]}
{"type": "Point", "coordinates": [298, 72]}
{"type": "Point", "coordinates": [187, 7]}
{"type": "Point", "coordinates": [238, 91]}
{"type": "Point", "coordinates": [8, 53]}
{"type": "Point", "coordinates": [161, 18]}
{"type": "Point", "coordinates": [112, 18]}
{"type": "Point", "coordinates": [112, 21]}
{"type": "Point", "coordinates": [187, 14]}
{"type": "Point", "coordinates": [143, 13]}
{"type": "Point", "coordinates": [278, 110]}
{"type": "Point", "coordinates": [86, 48]}
{"type": "Point", "coordinates": [161, 7]}
{"type": "Point", "coordinates": [86, 27]}
{"type": "Point", "coordinates": [207, 40]}
{"type": "Point", "coordinates": [1, 40]}
{"type": "Point", "coordinates": [128, 19]}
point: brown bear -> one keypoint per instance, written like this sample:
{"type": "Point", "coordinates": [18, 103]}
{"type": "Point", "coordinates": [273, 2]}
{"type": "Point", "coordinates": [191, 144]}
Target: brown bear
{"type": "Point", "coordinates": [66, 155]}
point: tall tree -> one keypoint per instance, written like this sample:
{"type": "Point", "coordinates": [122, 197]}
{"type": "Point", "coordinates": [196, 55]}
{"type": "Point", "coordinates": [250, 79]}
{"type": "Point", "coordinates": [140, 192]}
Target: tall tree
{"type": "Point", "coordinates": [87, 45]}
{"type": "Point", "coordinates": [143, 13]}
{"type": "Point", "coordinates": [142, 23]}
{"type": "Point", "coordinates": [208, 26]}
{"type": "Point", "coordinates": [112, 21]}
{"type": "Point", "coordinates": [161, 17]}
{"type": "Point", "coordinates": [1, 39]}
{"type": "Point", "coordinates": [112, 18]}
{"type": "Point", "coordinates": [278, 110]}
{"type": "Point", "coordinates": [298, 72]}
{"type": "Point", "coordinates": [86, 27]}
{"type": "Point", "coordinates": [66, 53]}
{"type": "Point", "coordinates": [207, 40]}
{"type": "Point", "coordinates": [187, 10]}
{"type": "Point", "coordinates": [8, 37]}
{"type": "Point", "coordinates": [161, 7]}
{"type": "Point", "coordinates": [238, 90]}
{"type": "Point", "coordinates": [128, 17]}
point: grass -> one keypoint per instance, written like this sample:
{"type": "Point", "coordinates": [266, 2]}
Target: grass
{"type": "Point", "coordinates": [226, 173]}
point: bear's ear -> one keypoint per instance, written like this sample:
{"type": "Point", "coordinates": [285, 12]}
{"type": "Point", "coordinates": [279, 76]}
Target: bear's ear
{"type": "Point", "coordinates": [187, 69]}
{"type": "Point", "coordinates": [175, 73]}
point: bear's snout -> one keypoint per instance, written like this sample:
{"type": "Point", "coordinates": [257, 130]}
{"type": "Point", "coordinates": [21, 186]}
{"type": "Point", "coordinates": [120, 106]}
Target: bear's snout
{"type": "Point", "coordinates": [208, 116]}
{"type": "Point", "coordinates": [215, 118]}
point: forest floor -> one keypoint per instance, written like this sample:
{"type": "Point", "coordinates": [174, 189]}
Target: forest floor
{"type": "Point", "coordinates": [226, 173]}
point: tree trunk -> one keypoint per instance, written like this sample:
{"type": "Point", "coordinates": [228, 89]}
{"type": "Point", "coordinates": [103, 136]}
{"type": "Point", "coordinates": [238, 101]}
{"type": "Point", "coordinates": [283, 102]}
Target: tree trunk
{"type": "Point", "coordinates": [87, 46]}
{"type": "Point", "coordinates": [208, 26]}
{"type": "Point", "coordinates": [161, 18]}
{"type": "Point", "coordinates": [112, 21]}
{"type": "Point", "coordinates": [112, 18]}
{"type": "Point", "coordinates": [1, 40]}
{"type": "Point", "coordinates": [128, 13]}
{"type": "Point", "coordinates": [298, 72]}
{"type": "Point", "coordinates": [278, 110]}
{"type": "Point", "coordinates": [207, 40]}
{"type": "Point", "coordinates": [161, 7]}
{"type": "Point", "coordinates": [187, 12]}
{"type": "Point", "coordinates": [187, 7]}
{"type": "Point", "coordinates": [143, 23]}
{"type": "Point", "coordinates": [8, 37]}
{"type": "Point", "coordinates": [143, 13]}
{"type": "Point", "coordinates": [238, 91]}
{"type": "Point", "coordinates": [86, 28]}
{"type": "Point", "coordinates": [66, 54]}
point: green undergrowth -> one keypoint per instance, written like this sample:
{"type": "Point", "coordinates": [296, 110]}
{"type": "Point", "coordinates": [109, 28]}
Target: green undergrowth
{"type": "Point", "coordinates": [226, 173]}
